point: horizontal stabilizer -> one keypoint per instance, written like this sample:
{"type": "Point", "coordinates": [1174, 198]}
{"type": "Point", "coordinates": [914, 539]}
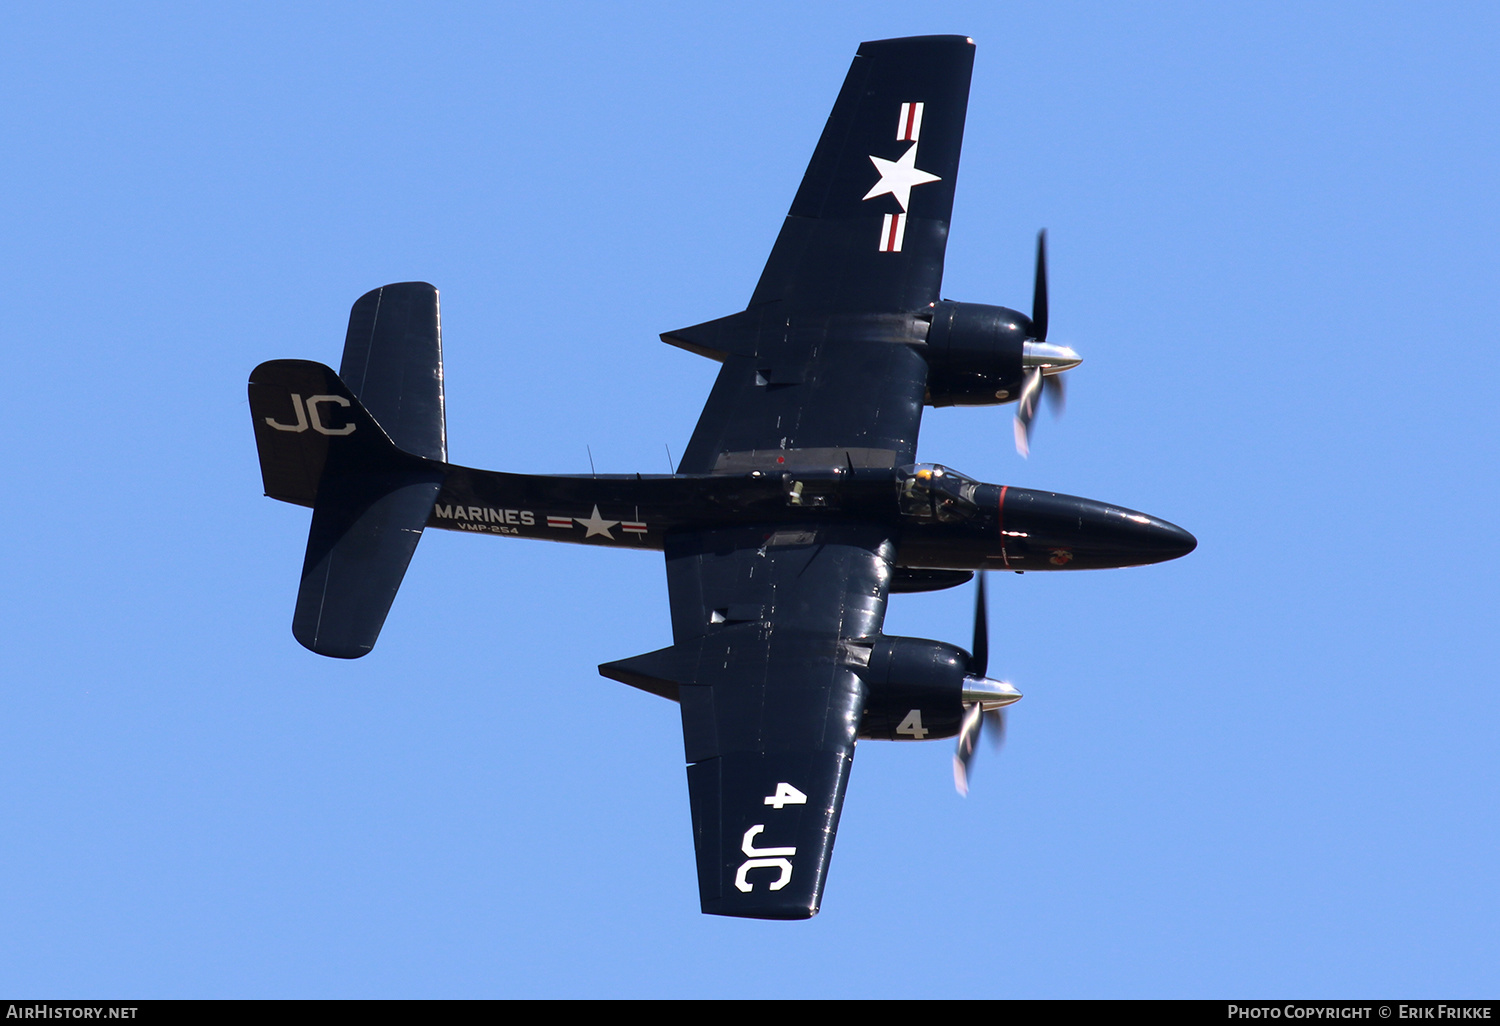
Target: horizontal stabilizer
{"type": "Point", "coordinates": [320, 447]}
{"type": "Point", "coordinates": [364, 531]}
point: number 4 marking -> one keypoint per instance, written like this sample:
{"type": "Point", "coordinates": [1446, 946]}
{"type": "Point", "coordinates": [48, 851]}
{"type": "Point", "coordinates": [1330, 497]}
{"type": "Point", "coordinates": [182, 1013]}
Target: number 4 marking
{"type": "Point", "coordinates": [912, 725]}
{"type": "Point", "coordinates": [786, 794]}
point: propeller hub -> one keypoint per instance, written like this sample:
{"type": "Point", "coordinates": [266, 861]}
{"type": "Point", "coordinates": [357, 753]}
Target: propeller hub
{"type": "Point", "coordinates": [1049, 356]}
{"type": "Point", "coordinates": [990, 694]}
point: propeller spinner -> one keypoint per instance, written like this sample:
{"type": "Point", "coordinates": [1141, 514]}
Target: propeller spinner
{"type": "Point", "coordinates": [984, 699]}
{"type": "Point", "coordinates": [1043, 361]}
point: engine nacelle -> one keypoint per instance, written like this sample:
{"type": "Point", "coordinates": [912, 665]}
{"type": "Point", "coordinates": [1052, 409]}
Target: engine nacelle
{"type": "Point", "coordinates": [974, 354]}
{"type": "Point", "coordinates": [914, 689]}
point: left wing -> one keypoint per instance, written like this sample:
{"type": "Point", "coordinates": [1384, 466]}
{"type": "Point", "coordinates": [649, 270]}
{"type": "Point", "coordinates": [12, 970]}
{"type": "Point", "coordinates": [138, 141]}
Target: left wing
{"type": "Point", "coordinates": [824, 367]}
{"type": "Point", "coordinates": [868, 227]}
{"type": "Point", "coordinates": [767, 626]}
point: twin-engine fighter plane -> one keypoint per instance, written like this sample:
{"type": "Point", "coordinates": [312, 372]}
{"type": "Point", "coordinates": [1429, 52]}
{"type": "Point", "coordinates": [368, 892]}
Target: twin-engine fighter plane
{"type": "Point", "coordinates": [798, 507]}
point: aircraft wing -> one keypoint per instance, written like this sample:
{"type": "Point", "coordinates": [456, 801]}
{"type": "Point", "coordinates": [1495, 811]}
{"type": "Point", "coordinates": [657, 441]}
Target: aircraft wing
{"type": "Point", "coordinates": [869, 225]}
{"type": "Point", "coordinates": [823, 367]}
{"type": "Point", "coordinates": [823, 371]}
{"type": "Point", "coordinates": [767, 624]}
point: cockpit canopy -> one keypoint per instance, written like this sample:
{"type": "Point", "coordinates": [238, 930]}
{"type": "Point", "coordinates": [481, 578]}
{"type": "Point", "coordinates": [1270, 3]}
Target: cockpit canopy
{"type": "Point", "coordinates": [932, 491]}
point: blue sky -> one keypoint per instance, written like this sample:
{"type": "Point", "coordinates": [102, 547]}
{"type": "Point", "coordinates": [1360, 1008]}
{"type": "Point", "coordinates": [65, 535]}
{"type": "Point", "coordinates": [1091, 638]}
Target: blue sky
{"type": "Point", "coordinates": [1267, 769]}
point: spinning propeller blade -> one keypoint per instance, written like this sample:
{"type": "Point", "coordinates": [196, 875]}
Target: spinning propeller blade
{"type": "Point", "coordinates": [990, 697]}
{"type": "Point", "coordinates": [1044, 362]}
{"type": "Point", "coordinates": [1039, 292]}
{"type": "Point", "coordinates": [1031, 391]}
{"type": "Point", "coordinates": [981, 647]}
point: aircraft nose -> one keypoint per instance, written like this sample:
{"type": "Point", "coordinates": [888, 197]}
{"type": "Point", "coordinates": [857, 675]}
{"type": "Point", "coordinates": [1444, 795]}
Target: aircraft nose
{"type": "Point", "coordinates": [1139, 537]}
{"type": "Point", "coordinates": [1166, 539]}
{"type": "Point", "coordinates": [1051, 531]}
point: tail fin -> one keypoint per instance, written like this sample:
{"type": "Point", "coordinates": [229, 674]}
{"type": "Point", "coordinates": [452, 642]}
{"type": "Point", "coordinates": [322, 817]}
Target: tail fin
{"type": "Point", "coordinates": [393, 360]}
{"type": "Point", "coordinates": [371, 486]}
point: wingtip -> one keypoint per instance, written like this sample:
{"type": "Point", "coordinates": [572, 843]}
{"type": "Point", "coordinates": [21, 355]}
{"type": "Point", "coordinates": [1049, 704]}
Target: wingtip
{"type": "Point", "coordinates": [909, 40]}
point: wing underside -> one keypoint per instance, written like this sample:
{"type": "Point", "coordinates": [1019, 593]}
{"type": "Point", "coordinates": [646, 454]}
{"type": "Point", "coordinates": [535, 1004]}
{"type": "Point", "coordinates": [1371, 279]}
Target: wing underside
{"type": "Point", "coordinates": [771, 704]}
{"type": "Point", "coordinates": [824, 369]}
{"type": "Point", "coordinates": [869, 225]}
{"type": "Point", "coordinates": [826, 361]}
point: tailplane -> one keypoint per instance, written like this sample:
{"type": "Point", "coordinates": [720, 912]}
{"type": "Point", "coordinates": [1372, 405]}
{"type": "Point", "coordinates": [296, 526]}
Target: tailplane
{"type": "Point", "coordinates": [366, 449]}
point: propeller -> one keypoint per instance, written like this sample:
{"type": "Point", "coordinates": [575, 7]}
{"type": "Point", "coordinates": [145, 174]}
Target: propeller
{"type": "Point", "coordinates": [1043, 362]}
{"type": "Point", "coordinates": [984, 699]}
{"type": "Point", "coordinates": [1039, 289]}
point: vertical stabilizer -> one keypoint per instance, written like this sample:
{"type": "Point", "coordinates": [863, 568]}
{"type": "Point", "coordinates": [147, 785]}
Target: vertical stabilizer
{"type": "Point", "coordinates": [393, 360]}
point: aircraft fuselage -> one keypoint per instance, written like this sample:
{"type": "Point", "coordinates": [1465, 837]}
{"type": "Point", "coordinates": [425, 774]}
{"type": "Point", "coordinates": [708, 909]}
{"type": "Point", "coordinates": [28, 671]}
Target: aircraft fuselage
{"type": "Point", "coordinates": [988, 527]}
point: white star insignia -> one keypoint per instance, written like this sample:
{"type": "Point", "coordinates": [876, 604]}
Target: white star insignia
{"type": "Point", "coordinates": [597, 525]}
{"type": "Point", "coordinates": [897, 177]}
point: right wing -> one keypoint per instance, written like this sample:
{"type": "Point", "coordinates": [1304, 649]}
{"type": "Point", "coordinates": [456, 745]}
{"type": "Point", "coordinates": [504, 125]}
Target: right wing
{"type": "Point", "coordinates": [767, 625]}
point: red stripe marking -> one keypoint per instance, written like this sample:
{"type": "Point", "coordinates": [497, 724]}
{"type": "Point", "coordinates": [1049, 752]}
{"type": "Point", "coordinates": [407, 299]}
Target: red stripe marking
{"type": "Point", "coordinates": [890, 243]}
{"type": "Point", "coordinates": [911, 119]}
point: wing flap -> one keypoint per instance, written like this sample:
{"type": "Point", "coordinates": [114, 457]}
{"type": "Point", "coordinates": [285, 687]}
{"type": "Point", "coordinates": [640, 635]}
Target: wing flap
{"type": "Point", "coordinates": [814, 581]}
{"type": "Point", "coordinates": [846, 395]}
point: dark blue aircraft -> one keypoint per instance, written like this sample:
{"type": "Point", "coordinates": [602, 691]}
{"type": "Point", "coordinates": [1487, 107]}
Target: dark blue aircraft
{"type": "Point", "coordinates": [798, 507]}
